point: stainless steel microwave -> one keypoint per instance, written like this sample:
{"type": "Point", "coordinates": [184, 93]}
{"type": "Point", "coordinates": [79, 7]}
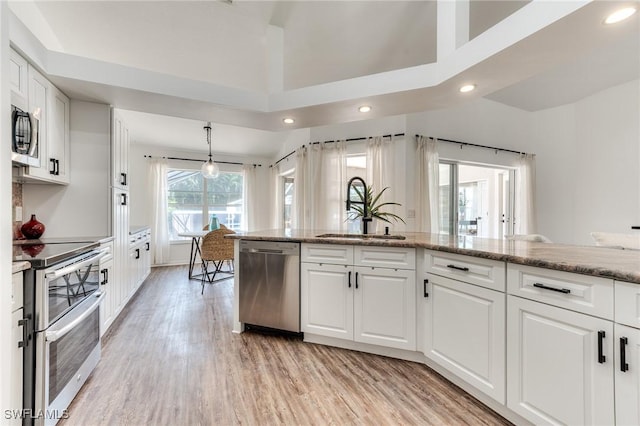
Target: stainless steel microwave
{"type": "Point", "coordinates": [25, 138]}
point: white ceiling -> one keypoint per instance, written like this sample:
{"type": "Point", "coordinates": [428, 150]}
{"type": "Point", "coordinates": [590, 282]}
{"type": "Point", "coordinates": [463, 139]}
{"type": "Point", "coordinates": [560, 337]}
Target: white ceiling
{"type": "Point", "coordinates": [176, 64]}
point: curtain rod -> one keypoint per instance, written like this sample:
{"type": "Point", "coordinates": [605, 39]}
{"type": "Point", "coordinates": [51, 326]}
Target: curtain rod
{"type": "Point", "coordinates": [478, 146]}
{"type": "Point", "coordinates": [202, 161]}
{"type": "Point", "coordinates": [333, 141]}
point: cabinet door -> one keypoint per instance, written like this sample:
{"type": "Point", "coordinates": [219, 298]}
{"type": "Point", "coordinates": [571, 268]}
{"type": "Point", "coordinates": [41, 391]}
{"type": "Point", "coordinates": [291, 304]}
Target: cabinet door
{"type": "Point", "coordinates": [120, 246]}
{"type": "Point", "coordinates": [15, 401]}
{"type": "Point", "coordinates": [554, 372]}
{"type": "Point", "coordinates": [39, 89]}
{"type": "Point", "coordinates": [58, 137]}
{"type": "Point", "coordinates": [107, 308]}
{"type": "Point", "coordinates": [627, 377]}
{"type": "Point", "coordinates": [146, 258]}
{"type": "Point", "coordinates": [465, 332]}
{"type": "Point", "coordinates": [18, 80]}
{"type": "Point", "coordinates": [385, 307]}
{"type": "Point", "coordinates": [326, 296]}
{"type": "Point", "coordinates": [120, 152]}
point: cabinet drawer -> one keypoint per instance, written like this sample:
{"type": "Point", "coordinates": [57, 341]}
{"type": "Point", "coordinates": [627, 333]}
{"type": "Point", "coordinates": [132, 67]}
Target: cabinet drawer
{"type": "Point", "coordinates": [581, 293]}
{"type": "Point", "coordinates": [627, 302]}
{"type": "Point", "coordinates": [385, 257]}
{"type": "Point", "coordinates": [474, 270]}
{"type": "Point", "coordinates": [327, 253]}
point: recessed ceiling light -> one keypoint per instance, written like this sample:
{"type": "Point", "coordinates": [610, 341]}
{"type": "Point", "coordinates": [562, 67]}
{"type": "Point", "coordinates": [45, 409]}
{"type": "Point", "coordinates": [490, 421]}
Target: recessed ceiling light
{"type": "Point", "coordinates": [364, 108]}
{"type": "Point", "coordinates": [288, 120]}
{"type": "Point", "coordinates": [620, 15]}
{"type": "Point", "coordinates": [467, 88]}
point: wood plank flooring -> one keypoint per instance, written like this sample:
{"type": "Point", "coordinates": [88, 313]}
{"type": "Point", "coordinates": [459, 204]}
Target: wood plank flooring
{"type": "Point", "coordinates": [171, 359]}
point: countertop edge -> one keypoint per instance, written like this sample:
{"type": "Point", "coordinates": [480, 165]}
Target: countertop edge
{"type": "Point", "coordinates": [19, 266]}
{"type": "Point", "coordinates": [578, 268]}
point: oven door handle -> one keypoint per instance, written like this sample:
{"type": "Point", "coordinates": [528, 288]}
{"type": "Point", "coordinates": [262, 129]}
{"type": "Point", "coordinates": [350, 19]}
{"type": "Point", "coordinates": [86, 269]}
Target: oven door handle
{"type": "Point", "coordinates": [75, 266]}
{"type": "Point", "coordinates": [52, 334]}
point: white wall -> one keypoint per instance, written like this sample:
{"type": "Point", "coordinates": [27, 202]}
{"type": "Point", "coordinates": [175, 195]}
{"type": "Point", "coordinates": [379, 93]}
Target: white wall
{"type": "Point", "coordinates": [140, 212]}
{"type": "Point", "coordinates": [588, 165]}
{"type": "Point", "coordinates": [82, 208]}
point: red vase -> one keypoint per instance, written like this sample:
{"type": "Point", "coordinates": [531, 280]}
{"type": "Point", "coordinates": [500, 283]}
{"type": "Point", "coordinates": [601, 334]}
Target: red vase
{"type": "Point", "coordinates": [32, 229]}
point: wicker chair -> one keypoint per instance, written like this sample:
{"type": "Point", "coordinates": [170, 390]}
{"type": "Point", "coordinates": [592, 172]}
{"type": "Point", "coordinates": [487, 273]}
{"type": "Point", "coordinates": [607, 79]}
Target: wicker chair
{"type": "Point", "coordinates": [216, 249]}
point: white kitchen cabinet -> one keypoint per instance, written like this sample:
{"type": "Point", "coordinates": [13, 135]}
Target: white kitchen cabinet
{"type": "Point", "coordinates": [16, 353]}
{"type": "Point", "coordinates": [627, 375]}
{"type": "Point", "coordinates": [107, 285]}
{"type": "Point", "coordinates": [18, 80]}
{"type": "Point", "coordinates": [364, 304]}
{"type": "Point", "coordinates": [327, 300]}
{"type": "Point", "coordinates": [58, 136]}
{"type": "Point", "coordinates": [120, 205]}
{"type": "Point", "coordinates": [559, 364]}
{"type": "Point", "coordinates": [119, 152]}
{"type": "Point", "coordinates": [39, 90]}
{"type": "Point", "coordinates": [464, 327]}
{"type": "Point", "coordinates": [139, 259]}
{"type": "Point", "coordinates": [385, 307]}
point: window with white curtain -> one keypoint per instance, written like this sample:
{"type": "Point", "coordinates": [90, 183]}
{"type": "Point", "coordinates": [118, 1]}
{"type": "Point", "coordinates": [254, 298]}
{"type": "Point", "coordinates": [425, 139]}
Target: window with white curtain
{"type": "Point", "coordinates": [192, 201]}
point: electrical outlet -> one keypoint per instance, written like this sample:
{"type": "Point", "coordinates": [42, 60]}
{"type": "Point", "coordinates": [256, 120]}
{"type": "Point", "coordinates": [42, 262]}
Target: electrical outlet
{"type": "Point", "coordinates": [411, 214]}
{"type": "Point", "coordinates": [18, 214]}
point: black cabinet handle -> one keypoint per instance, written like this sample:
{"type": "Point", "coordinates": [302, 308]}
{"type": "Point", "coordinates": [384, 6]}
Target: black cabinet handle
{"type": "Point", "coordinates": [623, 354]}
{"type": "Point", "coordinates": [635, 227]}
{"type": "Point", "coordinates": [424, 288]}
{"type": "Point", "coordinates": [148, 246]}
{"type": "Point", "coordinates": [601, 357]}
{"type": "Point", "coordinates": [52, 171]}
{"type": "Point", "coordinates": [24, 323]}
{"type": "Point", "coordinates": [459, 268]}
{"type": "Point", "coordinates": [57, 167]}
{"type": "Point", "coordinates": [123, 179]}
{"type": "Point", "coordinates": [105, 276]}
{"type": "Point", "coordinates": [356, 280]}
{"type": "Point", "coordinates": [349, 279]}
{"type": "Point", "coordinates": [137, 253]}
{"type": "Point", "coordinates": [123, 199]}
{"type": "Point", "coordinates": [559, 290]}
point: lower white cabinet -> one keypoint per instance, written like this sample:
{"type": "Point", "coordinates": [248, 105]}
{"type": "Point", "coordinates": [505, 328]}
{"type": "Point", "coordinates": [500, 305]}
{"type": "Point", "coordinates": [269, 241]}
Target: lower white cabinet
{"type": "Point", "coordinates": [16, 353]}
{"type": "Point", "coordinates": [363, 304]}
{"type": "Point", "coordinates": [627, 374]}
{"type": "Point", "coordinates": [559, 365]}
{"type": "Point", "coordinates": [108, 286]}
{"type": "Point", "coordinates": [464, 328]}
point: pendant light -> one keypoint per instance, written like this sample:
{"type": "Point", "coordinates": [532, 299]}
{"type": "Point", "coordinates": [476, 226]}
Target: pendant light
{"type": "Point", "coordinates": [210, 169]}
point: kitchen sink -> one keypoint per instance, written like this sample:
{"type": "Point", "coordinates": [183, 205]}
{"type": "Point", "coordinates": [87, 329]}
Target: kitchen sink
{"type": "Point", "coordinates": [363, 236]}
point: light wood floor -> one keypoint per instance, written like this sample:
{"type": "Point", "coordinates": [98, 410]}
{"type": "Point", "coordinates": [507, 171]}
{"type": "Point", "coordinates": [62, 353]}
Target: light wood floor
{"type": "Point", "coordinates": [171, 359]}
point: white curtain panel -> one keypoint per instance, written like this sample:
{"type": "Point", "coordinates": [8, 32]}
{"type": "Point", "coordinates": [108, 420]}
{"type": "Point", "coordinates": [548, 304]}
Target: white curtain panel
{"type": "Point", "coordinates": [157, 180]}
{"type": "Point", "coordinates": [250, 197]}
{"type": "Point", "coordinates": [380, 166]}
{"type": "Point", "coordinates": [299, 214]}
{"type": "Point", "coordinates": [277, 198]}
{"type": "Point", "coordinates": [428, 185]}
{"type": "Point", "coordinates": [328, 167]}
{"type": "Point", "coordinates": [525, 206]}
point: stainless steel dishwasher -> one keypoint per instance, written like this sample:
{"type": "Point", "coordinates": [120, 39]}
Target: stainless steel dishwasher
{"type": "Point", "coordinates": [269, 281]}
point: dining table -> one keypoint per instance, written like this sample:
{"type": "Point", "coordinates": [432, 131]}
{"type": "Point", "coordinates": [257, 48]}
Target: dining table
{"type": "Point", "coordinates": [195, 236]}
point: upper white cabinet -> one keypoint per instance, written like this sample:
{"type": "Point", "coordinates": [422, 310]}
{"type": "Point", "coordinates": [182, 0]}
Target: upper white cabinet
{"type": "Point", "coordinates": [31, 91]}
{"type": "Point", "coordinates": [365, 304]}
{"type": "Point", "coordinates": [119, 152]}
{"type": "Point", "coordinates": [18, 80]}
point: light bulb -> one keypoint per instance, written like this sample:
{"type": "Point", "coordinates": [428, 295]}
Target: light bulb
{"type": "Point", "coordinates": [210, 170]}
{"type": "Point", "coordinates": [620, 15]}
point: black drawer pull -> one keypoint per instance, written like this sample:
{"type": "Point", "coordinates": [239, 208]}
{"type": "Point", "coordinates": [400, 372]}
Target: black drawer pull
{"type": "Point", "coordinates": [559, 290]}
{"type": "Point", "coordinates": [459, 268]}
{"type": "Point", "coordinates": [623, 354]}
{"type": "Point", "coordinates": [601, 357]}
{"type": "Point", "coordinates": [424, 288]}
{"type": "Point", "coordinates": [349, 279]}
{"type": "Point", "coordinates": [356, 280]}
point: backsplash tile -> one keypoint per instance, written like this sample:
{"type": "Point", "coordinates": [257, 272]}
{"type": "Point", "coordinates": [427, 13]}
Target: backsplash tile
{"type": "Point", "coordinates": [16, 192]}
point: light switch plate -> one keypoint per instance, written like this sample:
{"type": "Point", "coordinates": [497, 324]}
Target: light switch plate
{"type": "Point", "coordinates": [18, 214]}
{"type": "Point", "coordinates": [411, 214]}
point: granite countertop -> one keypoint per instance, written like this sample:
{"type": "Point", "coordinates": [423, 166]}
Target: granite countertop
{"type": "Point", "coordinates": [623, 265]}
{"type": "Point", "coordinates": [134, 229]}
{"type": "Point", "coordinates": [19, 266]}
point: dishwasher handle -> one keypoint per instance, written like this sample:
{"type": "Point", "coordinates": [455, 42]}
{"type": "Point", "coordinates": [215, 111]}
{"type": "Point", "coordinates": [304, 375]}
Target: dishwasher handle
{"type": "Point", "coordinates": [269, 251]}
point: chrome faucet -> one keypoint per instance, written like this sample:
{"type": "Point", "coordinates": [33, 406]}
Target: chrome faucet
{"type": "Point", "coordinates": [365, 203]}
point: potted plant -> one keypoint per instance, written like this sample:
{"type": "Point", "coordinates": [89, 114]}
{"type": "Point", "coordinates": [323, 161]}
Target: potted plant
{"type": "Point", "coordinates": [374, 206]}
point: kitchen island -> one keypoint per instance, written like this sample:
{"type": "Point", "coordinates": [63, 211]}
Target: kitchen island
{"type": "Point", "coordinates": [536, 331]}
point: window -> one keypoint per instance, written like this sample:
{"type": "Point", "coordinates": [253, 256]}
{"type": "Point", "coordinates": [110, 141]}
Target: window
{"type": "Point", "coordinates": [476, 199]}
{"type": "Point", "coordinates": [287, 191]}
{"type": "Point", "coordinates": [193, 200]}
